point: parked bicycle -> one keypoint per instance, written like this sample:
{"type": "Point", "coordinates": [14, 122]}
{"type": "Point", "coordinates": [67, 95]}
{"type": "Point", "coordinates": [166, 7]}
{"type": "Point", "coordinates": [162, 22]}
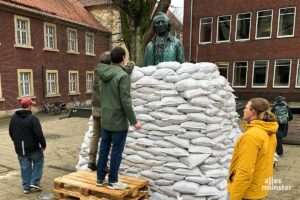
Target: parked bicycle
{"type": "Point", "coordinates": [54, 108]}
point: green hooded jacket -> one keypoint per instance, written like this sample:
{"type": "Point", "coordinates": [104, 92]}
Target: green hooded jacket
{"type": "Point", "coordinates": [115, 99]}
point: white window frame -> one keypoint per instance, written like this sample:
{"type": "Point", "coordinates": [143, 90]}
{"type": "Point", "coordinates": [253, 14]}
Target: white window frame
{"type": "Point", "coordinates": [212, 21]}
{"type": "Point", "coordinates": [262, 38]}
{"type": "Point", "coordinates": [223, 63]}
{"type": "Point", "coordinates": [236, 26]}
{"type": "Point", "coordinates": [298, 71]}
{"type": "Point", "coordinates": [46, 47]}
{"type": "Point", "coordinates": [87, 44]}
{"type": "Point", "coordinates": [217, 39]}
{"type": "Point", "coordinates": [56, 83]}
{"type": "Point", "coordinates": [71, 92]}
{"type": "Point", "coordinates": [1, 95]}
{"type": "Point", "coordinates": [285, 36]}
{"type": "Point", "coordinates": [27, 31]}
{"type": "Point", "coordinates": [267, 74]}
{"type": "Point", "coordinates": [75, 51]}
{"type": "Point", "coordinates": [31, 86]}
{"type": "Point", "coordinates": [291, 62]}
{"type": "Point", "coordinates": [237, 86]}
{"type": "Point", "coordinates": [88, 81]}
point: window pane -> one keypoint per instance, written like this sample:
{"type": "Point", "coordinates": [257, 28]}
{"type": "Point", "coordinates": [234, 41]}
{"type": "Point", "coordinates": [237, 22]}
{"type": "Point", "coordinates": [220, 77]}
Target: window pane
{"type": "Point", "coordinates": [240, 72]}
{"type": "Point", "coordinates": [223, 68]}
{"type": "Point", "coordinates": [206, 28]}
{"type": "Point", "coordinates": [224, 28]}
{"type": "Point", "coordinates": [282, 73]}
{"type": "Point", "coordinates": [260, 73]}
{"type": "Point", "coordinates": [243, 26]}
{"type": "Point", "coordinates": [298, 76]}
{"type": "Point", "coordinates": [286, 22]}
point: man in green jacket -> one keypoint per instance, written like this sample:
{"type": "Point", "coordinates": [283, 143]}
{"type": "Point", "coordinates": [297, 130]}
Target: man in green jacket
{"type": "Point", "coordinates": [116, 111]}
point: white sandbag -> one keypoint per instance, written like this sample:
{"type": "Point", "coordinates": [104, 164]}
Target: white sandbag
{"type": "Point", "coordinates": [170, 110]}
{"type": "Point", "coordinates": [164, 144]}
{"type": "Point", "coordinates": [145, 117]}
{"type": "Point", "coordinates": [206, 167]}
{"type": "Point", "coordinates": [199, 149]}
{"type": "Point", "coordinates": [136, 75]}
{"type": "Point", "coordinates": [159, 115]}
{"type": "Point", "coordinates": [188, 172]}
{"type": "Point", "coordinates": [193, 126]}
{"type": "Point", "coordinates": [175, 165]}
{"type": "Point", "coordinates": [135, 159]}
{"type": "Point", "coordinates": [193, 160]}
{"type": "Point", "coordinates": [203, 102]}
{"type": "Point", "coordinates": [145, 90]}
{"type": "Point", "coordinates": [188, 108]}
{"type": "Point", "coordinates": [199, 179]}
{"type": "Point", "coordinates": [150, 127]}
{"type": "Point", "coordinates": [154, 105]}
{"type": "Point", "coordinates": [162, 182]}
{"type": "Point", "coordinates": [161, 123]}
{"type": "Point", "coordinates": [144, 142]}
{"type": "Point", "coordinates": [167, 158]}
{"type": "Point", "coordinates": [166, 93]}
{"type": "Point", "coordinates": [163, 85]}
{"type": "Point", "coordinates": [176, 152]}
{"type": "Point", "coordinates": [159, 133]}
{"type": "Point", "coordinates": [172, 101]}
{"type": "Point", "coordinates": [168, 190]}
{"type": "Point", "coordinates": [186, 187]}
{"type": "Point", "coordinates": [191, 197]}
{"type": "Point", "coordinates": [216, 173]}
{"type": "Point", "coordinates": [207, 67]}
{"type": "Point", "coordinates": [175, 119]}
{"type": "Point", "coordinates": [188, 68]}
{"type": "Point", "coordinates": [169, 65]}
{"type": "Point", "coordinates": [183, 143]}
{"type": "Point", "coordinates": [151, 97]}
{"type": "Point", "coordinates": [162, 169]}
{"type": "Point", "coordinates": [154, 137]}
{"type": "Point", "coordinates": [129, 150]}
{"type": "Point", "coordinates": [162, 73]}
{"type": "Point", "coordinates": [191, 135]}
{"type": "Point", "coordinates": [141, 110]}
{"type": "Point", "coordinates": [173, 129]}
{"type": "Point", "coordinates": [147, 81]}
{"type": "Point", "coordinates": [211, 160]}
{"type": "Point", "coordinates": [203, 141]}
{"type": "Point", "coordinates": [207, 191]}
{"type": "Point", "coordinates": [172, 177]}
{"type": "Point", "coordinates": [150, 174]}
{"type": "Point", "coordinates": [189, 94]}
{"type": "Point", "coordinates": [186, 84]}
{"type": "Point", "coordinates": [152, 162]}
{"type": "Point", "coordinates": [136, 134]}
{"type": "Point", "coordinates": [148, 71]}
{"type": "Point", "coordinates": [158, 196]}
{"type": "Point", "coordinates": [156, 151]}
{"type": "Point", "coordinates": [176, 78]}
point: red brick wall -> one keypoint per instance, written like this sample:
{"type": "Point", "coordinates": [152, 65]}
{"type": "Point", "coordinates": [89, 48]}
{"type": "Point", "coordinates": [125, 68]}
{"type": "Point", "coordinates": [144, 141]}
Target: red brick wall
{"type": "Point", "coordinates": [269, 49]}
{"type": "Point", "coordinates": [14, 58]}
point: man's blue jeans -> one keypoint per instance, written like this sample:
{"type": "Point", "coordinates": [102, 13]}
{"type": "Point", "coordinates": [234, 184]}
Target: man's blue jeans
{"type": "Point", "coordinates": [117, 139]}
{"type": "Point", "coordinates": [31, 168]}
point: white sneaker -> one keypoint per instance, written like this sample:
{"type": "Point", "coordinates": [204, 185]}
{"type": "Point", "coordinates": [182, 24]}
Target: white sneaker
{"type": "Point", "coordinates": [117, 186]}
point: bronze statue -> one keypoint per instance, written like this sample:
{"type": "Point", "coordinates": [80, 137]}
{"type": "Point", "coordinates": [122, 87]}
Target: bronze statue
{"type": "Point", "coordinates": [163, 46]}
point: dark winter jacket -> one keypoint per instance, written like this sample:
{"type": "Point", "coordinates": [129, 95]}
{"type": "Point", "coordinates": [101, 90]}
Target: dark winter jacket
{"type": "Point", "coordinates": [283, 128]}
{"type": "Point", "coordinates": [115, 99]}
{"type": "Point", "coordinates": [26, 132]}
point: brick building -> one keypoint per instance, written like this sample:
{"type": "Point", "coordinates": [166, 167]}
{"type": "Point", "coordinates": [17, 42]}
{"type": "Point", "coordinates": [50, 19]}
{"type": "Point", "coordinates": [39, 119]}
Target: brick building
{"type": "Point", "coordinates": [255, 43]}
{"type": "Point", "coordinates": [49, 49]}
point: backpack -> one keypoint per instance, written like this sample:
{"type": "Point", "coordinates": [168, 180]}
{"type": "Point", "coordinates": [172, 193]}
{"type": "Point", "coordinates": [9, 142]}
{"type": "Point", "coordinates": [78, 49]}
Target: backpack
{"type": "Point", "coordinates": [282, 114]}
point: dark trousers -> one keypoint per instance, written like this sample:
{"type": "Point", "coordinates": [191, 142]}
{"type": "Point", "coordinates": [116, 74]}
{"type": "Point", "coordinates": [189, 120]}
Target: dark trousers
{"type": "Point", "coordinates": [117, 139]}
{"type": "Point", "coordinates": [279, 148]}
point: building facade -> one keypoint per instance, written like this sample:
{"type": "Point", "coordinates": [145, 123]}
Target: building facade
{"type": "Point", "coordinates": [49, 49]}
{"type": "Point", "coordinates": [255, 44]}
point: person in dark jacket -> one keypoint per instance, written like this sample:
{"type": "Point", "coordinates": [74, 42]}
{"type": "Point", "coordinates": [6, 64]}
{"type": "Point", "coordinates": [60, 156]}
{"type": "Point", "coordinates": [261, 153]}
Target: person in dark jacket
{"type": "Point", "coordinates": [116, 111]}
{"type": "Point", "coordinates": [26, 133]}
{"type": "Point", "coordinates": [283, 128]}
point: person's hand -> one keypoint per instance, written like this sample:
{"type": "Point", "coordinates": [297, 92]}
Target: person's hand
{"type": "Point", "coordinates": [43, 149]}
{"type": "Point", "coordinates": [138, 125]}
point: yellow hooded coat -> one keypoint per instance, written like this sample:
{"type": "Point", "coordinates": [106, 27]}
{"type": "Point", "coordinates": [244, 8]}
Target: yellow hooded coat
{"type": "Point", "coordinates": [252, 161]}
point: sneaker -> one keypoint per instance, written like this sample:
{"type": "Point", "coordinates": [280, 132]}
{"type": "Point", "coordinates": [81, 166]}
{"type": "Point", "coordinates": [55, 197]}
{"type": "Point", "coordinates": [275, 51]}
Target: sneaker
{"type": "Point", "coordinates": [100, 183]}
{"type": "Point", "coordinates": [26, 191]}
{"type": "Point", "coordinates": [92, 166]}
{"type": "Point", "coordinates": [36, 187]}
{"type": "Point", "coordinates": [117, 186]}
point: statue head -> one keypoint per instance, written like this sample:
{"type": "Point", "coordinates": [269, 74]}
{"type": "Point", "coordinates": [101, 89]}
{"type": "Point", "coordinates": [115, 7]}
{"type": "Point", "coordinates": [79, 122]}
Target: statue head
{"type": "Point", "coordinates": [161, 24]}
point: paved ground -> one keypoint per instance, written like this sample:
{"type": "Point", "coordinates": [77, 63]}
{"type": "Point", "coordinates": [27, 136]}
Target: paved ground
{"type": "Point", "coordinates": [64, 138]}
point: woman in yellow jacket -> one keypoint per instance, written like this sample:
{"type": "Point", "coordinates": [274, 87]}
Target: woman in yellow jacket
{"type": "Point", "coordinates": [251, 167]}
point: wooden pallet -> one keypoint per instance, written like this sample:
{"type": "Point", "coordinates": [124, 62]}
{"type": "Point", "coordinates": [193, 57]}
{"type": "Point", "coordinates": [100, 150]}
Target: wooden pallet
{"type": "Point", "coordinates": [82, 185]}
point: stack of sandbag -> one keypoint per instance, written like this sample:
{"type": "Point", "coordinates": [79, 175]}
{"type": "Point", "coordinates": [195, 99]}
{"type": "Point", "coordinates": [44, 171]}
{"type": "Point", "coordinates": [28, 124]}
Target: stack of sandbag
{"type": "Point", "coordinates": [85, 147]}
{"type": "Point", "coordinates": [189, 125]}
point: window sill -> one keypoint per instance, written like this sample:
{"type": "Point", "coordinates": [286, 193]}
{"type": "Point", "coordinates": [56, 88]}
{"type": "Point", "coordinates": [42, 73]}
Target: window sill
{"type": "Point", "coordinates": [204, 43]}
{"type": "Point", "coordinates": [73, 52]}
{"type": "Point", "coordinates": [281, 86]}
{"type": "Point", "coordinates": [89, 92]}
{"type": "Point", "coordinates": [23, 46]}
{"type": "Point", "coordinates": [32, 97]}
{"type": "Point", "coordinates": [257, 87]}
{"type": "Point", "coordinates": [285, 36]}
{"type": "Point", "coordinates": [74, 94]}
{"type": "Point", "coordinates": [2, 99]}
{"type": "Point", "coordinates": [263, 38]}
{"type": "Point", "coordinates": [242, 40]}
{"type": "Point", "coordinates": [53, 50]}
{"type": "Point", "coordinates": [53, 95]}
{"type": "Point", "coordinates": [221, 42]}
{"type": "Point", "coordinates": [239, 86]}
{"type": "Point", "coordinates": [90, 54]}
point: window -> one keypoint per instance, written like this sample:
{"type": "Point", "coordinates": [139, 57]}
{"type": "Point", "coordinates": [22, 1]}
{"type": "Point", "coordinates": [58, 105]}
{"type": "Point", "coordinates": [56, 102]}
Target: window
{"type": "Point", "coordinates": [223, 32]}
{"type": "Point", "coordinates": [282, 73]}
{"type": "Point", "coordinates": [50, 36]}
{"type": "Point", "coordinates": [89, 44]}
{"type": "Point", "coordinates": [89, 81]}
{"type": "Point", "coordinates": [1, 97]}
{"type": "Point", "coordinates": [240, 74]}
{"type": "Point", "coordinates": [52, 82]}
{"type": "Point", "coordinates": [205, 30]}
{"type": "Point", "coordinates": [264, 24]}
{"type": "Point", "coordinates": [260, 73]}
{"type": "Point", "coordinates": [243, 24]}
{"type": "Point", "coordinates": [72, 41]}
{"type": "Point", "coordinates": [286, 22]}
{"type": "Point", "coordinates": [223, 68]}
{"type": "Point", "coordinates": [297, 76]}
{"type": "Point", "coordinates": [25, 83]}
{"type": "Point", "coordinates": [73, 82]}
{"type": "Point", "coordinates": [22, 32]}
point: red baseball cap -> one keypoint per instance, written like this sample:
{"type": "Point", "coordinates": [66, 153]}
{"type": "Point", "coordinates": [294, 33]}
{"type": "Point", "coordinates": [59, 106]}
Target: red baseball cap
{"type": "Point", "coordinates": [26, 102]}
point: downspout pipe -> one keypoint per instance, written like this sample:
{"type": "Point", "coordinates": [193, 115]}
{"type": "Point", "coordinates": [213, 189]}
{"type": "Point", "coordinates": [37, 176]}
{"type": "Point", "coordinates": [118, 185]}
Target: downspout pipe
{"type": "Point", "coordinates": [191, 30]}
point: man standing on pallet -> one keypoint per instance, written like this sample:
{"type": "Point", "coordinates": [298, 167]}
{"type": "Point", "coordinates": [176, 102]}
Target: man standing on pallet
{"type": "Point", "coordinates": [26, 132]}
{"type": "Point", "coordinates": [116, 111]}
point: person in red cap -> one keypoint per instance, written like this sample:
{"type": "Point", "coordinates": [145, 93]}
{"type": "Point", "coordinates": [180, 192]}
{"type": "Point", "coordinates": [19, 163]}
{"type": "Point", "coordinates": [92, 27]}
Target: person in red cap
{"type": "Point", "coordinates": [26, 132]}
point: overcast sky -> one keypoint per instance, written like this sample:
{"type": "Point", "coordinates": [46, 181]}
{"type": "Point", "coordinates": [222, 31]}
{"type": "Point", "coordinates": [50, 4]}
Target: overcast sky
{"type": "Point", "coordinates": [177, 8]}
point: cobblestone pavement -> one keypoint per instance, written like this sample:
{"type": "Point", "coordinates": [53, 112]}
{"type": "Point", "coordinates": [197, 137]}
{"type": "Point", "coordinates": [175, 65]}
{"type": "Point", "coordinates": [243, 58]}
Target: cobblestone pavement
{"type": "Point", "coordinates": [64, 138]}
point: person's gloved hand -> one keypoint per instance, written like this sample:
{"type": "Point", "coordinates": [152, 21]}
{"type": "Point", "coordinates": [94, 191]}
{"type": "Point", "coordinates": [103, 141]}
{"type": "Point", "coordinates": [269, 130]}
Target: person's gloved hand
{"type": "Point", "coordinates": [96, 112]}
{"type": "Point", "coordinates": [129, 67]}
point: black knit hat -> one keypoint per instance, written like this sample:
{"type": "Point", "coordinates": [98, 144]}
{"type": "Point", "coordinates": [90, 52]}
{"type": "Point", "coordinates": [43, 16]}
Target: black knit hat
{"type": "Point", "coordinates": [279, 99]}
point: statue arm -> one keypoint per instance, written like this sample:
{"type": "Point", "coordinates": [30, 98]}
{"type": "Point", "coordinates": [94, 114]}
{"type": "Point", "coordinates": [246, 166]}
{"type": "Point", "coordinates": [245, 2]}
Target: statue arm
{"type": "Point", "coordinates": [148, 57]}
{"type": "Point", "coordinates": [179, 53]}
